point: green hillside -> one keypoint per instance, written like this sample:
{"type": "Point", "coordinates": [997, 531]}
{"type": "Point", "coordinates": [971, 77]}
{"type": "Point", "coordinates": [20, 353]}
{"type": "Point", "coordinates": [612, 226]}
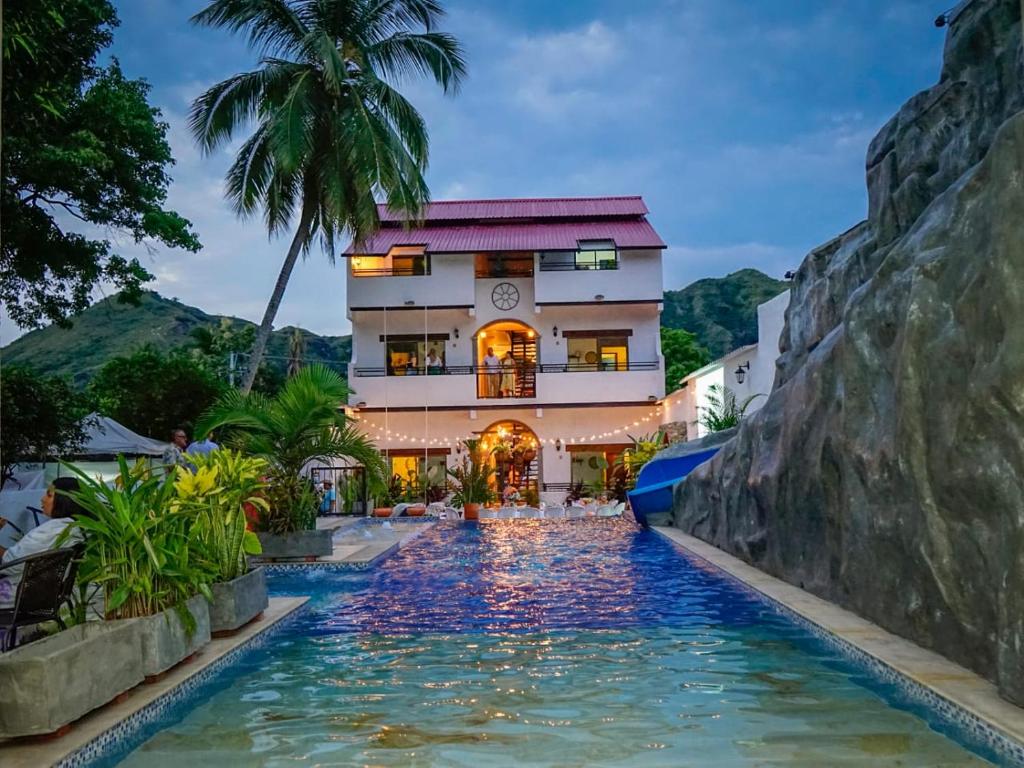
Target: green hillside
{"type": "Point", "coordinates": [722, 311]}
{"type": "Point", "coordinates": [108, 329]}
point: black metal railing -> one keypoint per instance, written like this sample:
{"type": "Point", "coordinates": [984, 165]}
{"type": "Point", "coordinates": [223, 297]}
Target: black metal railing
{"type": "Point", "coordinates": [469, 370]}
{"type": "Point", "coordinates": [413, 271]}
{"type": "Point", "coordinates": [578, 264]}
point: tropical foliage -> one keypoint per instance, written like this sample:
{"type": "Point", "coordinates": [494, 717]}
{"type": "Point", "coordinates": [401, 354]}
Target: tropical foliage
{"type": "Point", "coordinates": [331, 132]}
{"type": "Point", "coordinates": [215, 496]}
{"type": "Point", "coordinates": [152, 392]}
{"type": "Point", "coordinates": [302, 423]}
{"type": "Point", "coordinates": [138, 545]}
{"type": "Point", "coordinates": [683, 355]}
{"type": "Point", "coordinates": [40, 416]}
{"type": "Point", "coordinates": [722, 410]}
{"type": "Point", "coordinates": [472, 476]}
{"type": "Point", "coordinates": [82, 152]}
{"type": "Point", "coordinates": [642, 450]}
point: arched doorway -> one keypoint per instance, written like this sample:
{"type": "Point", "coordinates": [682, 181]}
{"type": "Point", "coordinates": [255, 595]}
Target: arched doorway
{"type": "Point", "coordinates": [514, 452]}
{"type": "Point", "coordinates": [506, 360]}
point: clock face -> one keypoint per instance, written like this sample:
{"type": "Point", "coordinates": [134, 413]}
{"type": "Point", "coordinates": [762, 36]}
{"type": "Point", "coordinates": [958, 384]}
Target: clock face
{"type": "Point", "coordinates": [505, 296]}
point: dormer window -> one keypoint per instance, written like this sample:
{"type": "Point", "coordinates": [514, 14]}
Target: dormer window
{"type": "Point", "coordinates": [590, 254]}
{"type": "Point", "coordinates": [400, 261]}
{"type": "Point", "coordinates": [597, 254]}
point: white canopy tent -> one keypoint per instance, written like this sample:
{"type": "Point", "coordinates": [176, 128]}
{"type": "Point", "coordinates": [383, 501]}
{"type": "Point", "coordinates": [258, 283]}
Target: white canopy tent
{"type": "Point", "coordinates": [106, 437]}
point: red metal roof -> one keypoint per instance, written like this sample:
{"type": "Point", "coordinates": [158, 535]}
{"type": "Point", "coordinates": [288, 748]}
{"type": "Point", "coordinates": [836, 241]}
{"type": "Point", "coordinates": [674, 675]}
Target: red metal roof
{"type": "Point", "coordinates": [536, 208]}
{"type": "Point", "coordinates": [543, 224]}
{"type": "Point", "coordinates": [556, 236]}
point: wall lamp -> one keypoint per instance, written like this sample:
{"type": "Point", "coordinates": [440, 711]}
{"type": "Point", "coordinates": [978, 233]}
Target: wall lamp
{"type": "Point", "coordinates": [455, 333]}
{"type": "Point", "coordinates": [558, 443]}
{"type": "Point", "coordinates": [741, 372]}
{"type": "Point", "coordinates": [554, 331]}
{"type": "Point", "coordinates": [599, 297]}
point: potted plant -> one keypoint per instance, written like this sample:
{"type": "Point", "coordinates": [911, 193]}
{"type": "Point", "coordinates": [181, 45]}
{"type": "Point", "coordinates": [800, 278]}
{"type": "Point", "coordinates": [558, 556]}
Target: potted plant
{"type": "Point", "coordinates": [302, 423]}
{"type": "Point", "coordinates": [138, 547]}
{"type": "Point", "coordinates": [472, 476]}
{"type": "Point", "coordinates": [216, 496]}
{"type": "Point", "coordinates": [386, 496]}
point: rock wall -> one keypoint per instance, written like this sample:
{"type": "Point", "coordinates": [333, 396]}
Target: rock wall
{"type": "Point", "coordinates": [885, 472]}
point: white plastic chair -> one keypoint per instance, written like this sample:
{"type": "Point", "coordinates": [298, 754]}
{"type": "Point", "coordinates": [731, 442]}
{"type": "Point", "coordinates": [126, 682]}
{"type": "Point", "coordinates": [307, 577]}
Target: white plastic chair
{"type": "Point", "coordinates": [606, 510]}
{"type": "Point", "coordinates": [554, 512]}
{"type": "Point", "coordinates": [575, 512]}
{"type": "Point", "coordinates": [507, 513]}
{"type": "Point", "coordinates": [530, 512]}
{"type": "Point", "coordinates": [488, 514]}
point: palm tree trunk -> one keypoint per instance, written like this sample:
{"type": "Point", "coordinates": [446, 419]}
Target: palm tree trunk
{"type": "Point", "coordinates": [263, 332]}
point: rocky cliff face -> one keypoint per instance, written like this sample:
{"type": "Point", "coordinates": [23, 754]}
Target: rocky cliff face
{"type": "Point", "coordinates": [886, 470]}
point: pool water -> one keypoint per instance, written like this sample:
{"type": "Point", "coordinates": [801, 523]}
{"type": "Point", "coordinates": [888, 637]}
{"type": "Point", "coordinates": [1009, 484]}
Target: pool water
{"type": "Point", "coordinates": [543, 643]}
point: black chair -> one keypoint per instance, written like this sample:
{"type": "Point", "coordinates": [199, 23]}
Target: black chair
{"type": "Point", "coordinates": [47, 580]}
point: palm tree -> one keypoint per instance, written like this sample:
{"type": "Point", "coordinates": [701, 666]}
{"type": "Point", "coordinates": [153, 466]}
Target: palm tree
{"type": "Point", "coordinates": [296, 351]}
{"type": "Point", "coordinates": [331, 132]}
{"type": "Point", "coordinates": [722, 410]}
{"type": "Point", "coordinates": [299, 425]}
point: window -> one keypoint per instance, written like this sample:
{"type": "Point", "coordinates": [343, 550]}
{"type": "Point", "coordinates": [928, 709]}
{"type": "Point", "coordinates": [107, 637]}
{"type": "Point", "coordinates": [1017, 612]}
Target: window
{"type": "Point", "coordinates": [598, 351]}
{"type": "Point", "coordinates": [413, 469]}
{"type": "Point", "coordinates": [505, 264]}
{"type": "Point", "coordinates": [597, 254]}
{"type": "Point", "coordinates": [401, 261]}
{"type": "Point", "coordinates": [591, 254]}
{"type": "Point", "coordinates": [413, 356]}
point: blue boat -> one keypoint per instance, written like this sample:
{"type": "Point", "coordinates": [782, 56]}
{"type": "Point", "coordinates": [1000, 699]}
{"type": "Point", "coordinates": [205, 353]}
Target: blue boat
{"type": "Point", "coordinates": [657, 480]}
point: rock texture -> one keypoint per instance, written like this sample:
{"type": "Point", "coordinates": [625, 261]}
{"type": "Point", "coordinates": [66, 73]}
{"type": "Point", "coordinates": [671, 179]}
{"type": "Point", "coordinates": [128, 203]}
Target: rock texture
{"type": "Point", "coordinates": [885, 472]}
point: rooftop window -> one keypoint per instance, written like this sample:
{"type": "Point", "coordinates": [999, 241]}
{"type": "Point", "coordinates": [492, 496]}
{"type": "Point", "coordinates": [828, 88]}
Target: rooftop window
{"type": "Point", "coordinates": [400, 261]}
{"type": "Point", "coordinates": [590, 254]}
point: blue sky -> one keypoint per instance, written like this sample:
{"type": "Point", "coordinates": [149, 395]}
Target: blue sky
{"type": "Point", "coordinates": [743, 123]}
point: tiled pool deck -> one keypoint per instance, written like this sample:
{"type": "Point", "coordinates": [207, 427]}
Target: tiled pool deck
{"type": "Point", "coordinates": [949, 687]}
{"type": "Point", "coordinates": [144, 701]}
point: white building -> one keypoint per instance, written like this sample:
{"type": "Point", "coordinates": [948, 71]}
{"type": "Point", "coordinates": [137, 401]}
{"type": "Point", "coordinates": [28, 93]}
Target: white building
{"type": "Point", "coordinates": [565, 292]}
{"type": "Point", "coordinates": [748, 372]}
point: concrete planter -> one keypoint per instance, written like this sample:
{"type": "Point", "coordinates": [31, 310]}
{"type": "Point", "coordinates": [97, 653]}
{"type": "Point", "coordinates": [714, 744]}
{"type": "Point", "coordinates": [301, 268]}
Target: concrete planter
{"type": "Point", "coordinates": [298, 544]}
{"type": "Point", "coordinates": [237, 602]}
{"type": "Point", "coordinates": [52, 682]}
{"type": "Point", "coordinates": [164, 641]}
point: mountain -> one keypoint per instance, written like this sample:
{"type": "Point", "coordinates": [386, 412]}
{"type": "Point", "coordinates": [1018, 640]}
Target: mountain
{"type": "Point", "coordinates": [722, 311]}
{"type": "Point", "coordinates": [109, 328]}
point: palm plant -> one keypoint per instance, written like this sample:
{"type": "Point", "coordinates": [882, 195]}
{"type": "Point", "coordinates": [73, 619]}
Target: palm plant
{"type": "Point", "coordinates": [722, 410]}
{"type": "Point", "coordinates": [138, 547]}
{"type": "Point", "coordinates": [643, 449]}
{"type": "Point", "coordinates": [331, 132]}
{"type": "Point", "coordinates": [302, 423]}
{"type": "Point", "coordinates": [473, 476]}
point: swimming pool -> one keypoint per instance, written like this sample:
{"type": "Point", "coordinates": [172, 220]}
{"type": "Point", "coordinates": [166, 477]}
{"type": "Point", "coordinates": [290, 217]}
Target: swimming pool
{"type": "Point", "coordinates": [535, 642]}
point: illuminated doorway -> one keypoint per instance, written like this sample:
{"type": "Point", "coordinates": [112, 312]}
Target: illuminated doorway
{"type": "Point", "coordinates": [514, 452]}
{"type": "Point", "coordinates": [506, 360]}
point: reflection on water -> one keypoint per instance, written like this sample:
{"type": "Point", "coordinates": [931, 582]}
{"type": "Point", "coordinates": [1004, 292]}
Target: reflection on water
{"type": "Point", "coordinates": [542, 643]}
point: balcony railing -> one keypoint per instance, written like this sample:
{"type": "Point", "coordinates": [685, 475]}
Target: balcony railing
{"type": "Point", "coordinates": [578, 264]}
{"type": "Point", "coordinates": [632, 365]}
{"type": "Point", "coordinates": [468, 370]}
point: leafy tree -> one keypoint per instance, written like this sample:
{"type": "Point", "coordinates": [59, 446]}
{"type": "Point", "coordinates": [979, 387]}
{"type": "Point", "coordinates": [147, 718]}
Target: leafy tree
{"type": "Point", "coordinates": [152, 392]}
{"type": "Point", "coordinates": [683, 355]}
{"type": "Point", "coordinates": [212, 346]}
{"type": "Point", "coordinates": [301, 424]}
{"type": "Point", "coordinates": [82, 149]}
{"type": "Point", "coordinates": [331, 131]}
{"type": "Point", "coordinates": [40, 417]}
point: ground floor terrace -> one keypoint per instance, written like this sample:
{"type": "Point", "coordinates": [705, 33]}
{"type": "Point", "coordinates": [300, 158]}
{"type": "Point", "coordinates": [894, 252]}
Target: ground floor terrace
{"type": "Point", "coordinates": [549, 450]}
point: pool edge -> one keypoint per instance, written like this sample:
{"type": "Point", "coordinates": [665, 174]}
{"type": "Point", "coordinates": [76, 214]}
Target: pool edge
{"type": "Point", "coordinates": [93, 736]}
{"type": "Point", "coordinates": [958, 694]}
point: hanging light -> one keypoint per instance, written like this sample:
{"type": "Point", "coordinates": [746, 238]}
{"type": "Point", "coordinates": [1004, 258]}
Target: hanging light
{"type": "Point", "coordinates": [741, 372]}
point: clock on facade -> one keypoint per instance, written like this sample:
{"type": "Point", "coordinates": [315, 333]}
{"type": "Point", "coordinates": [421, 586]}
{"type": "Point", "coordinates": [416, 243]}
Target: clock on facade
{"type": "Point", "coordinates": [505, 296]}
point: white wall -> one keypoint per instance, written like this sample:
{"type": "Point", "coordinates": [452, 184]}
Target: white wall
{"type": "Point", "coordinates": [685, 403]}
{"type": "Point", "coordinates": [637, 278]}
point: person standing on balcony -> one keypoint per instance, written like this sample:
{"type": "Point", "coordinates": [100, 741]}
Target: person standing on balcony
{"type": "Point", "coordinates": [492, 373]}
{"type": "Point", "coordinates": [433, 363]}
{"type": "Point", "coordinates": [508, 375]}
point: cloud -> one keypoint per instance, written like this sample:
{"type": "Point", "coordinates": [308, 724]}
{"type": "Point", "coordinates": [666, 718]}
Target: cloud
{"type": "Point", "coordinates": [685, 264]}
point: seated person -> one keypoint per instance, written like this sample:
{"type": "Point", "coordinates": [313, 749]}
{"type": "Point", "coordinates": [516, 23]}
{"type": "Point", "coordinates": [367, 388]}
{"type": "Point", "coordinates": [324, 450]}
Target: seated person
{"type": "Point", "coordinates": [329, 501]}
{"type": "Point", "coordinates": [61, 510]}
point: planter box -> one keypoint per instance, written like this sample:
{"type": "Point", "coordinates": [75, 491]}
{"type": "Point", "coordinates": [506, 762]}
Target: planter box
{"type": "Point", "coordinates": [299, 544]}
{"type": "Point", "coordinates": [164, 641]}
{"type": "Point", "coordinates": [237, 602]}
{"type": "Point", "coordinates": [52, 682]}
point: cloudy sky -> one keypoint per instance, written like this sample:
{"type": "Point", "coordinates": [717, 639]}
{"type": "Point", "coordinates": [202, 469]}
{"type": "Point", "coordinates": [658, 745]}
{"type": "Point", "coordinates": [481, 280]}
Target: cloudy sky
{"type": "Point", "coordinates": [743, 123]}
